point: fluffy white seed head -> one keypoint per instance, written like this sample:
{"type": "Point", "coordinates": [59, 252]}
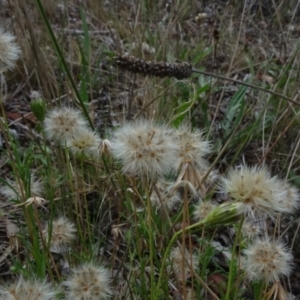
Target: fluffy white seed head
{"type": "Point", "coordinates": [291, 199]}
{"type": "Point", "coordinates": [88, 282]}
{"type": "Point", "coordinates": [202, 209]}
{"type": "Point", "coordinates": [256, 189]}
{"type": "Point", "coordinates": [192, 147]}
{"type": "Point", "coordinates": [144, 148]}
{"type": "Point", "coordinates": [63, 123]}
{"type": "Point", "coordinates": [180, 261]}
{"type": "Point", "coordinates": [16, 189]}
{"type": "Point", "coordinates": [251, 229]}
{"type": "Point", "coordinates": [9, 51]}
{"type": "Point", "coordinates": [267, 260]}
{"type": "Point", "coordinates": [62, 235]}
{"type": "Point", "coordinates": [27, 289]}
{"type": "Point", "coordinates": [84, 141]}
{"type": "Point", "coordinates": [168, 195]}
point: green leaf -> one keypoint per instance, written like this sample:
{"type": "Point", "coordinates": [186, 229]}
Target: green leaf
{"type": "Point", "coordinates": [235, 110]}
{"type": "Point", "coordinates": [86, 38]}
{"type": "Point", "coordinates": [181, 111]}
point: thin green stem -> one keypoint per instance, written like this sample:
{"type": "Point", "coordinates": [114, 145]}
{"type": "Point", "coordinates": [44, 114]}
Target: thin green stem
{"type": "Point", "coordinates": [167, 252]}
{"type": "Point", "coordinates": [252, 86]}
{"type": "Point", "coordinates": [86, 218]}
{"type": "Point", "coordinates": [151, 244]}
{"type": "Point", "coordinates": [63, 61]}
{"type": "Point", "coordinates": [233, 261]}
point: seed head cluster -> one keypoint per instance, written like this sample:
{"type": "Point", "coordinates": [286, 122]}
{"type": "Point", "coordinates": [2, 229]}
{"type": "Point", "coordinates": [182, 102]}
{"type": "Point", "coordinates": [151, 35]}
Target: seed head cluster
{"type": "Point", "coordinates": [202, 209]}
{"type": "Point", "coordinates": [169, 164]}
{"type": "Point", "coordinates": [192, 147]}
{"type": "Point", "coordinates": [17, 189]}
{"type": "Point", "coordinates": [67, 126]}
{"type": "Point", "coordinates": [63, 124]}
{"type": "Point", "coordinates": [63, 232]}
{"type": "Point", "coordinates": [88, 282]}
{"type": "Point", "coordinates": [150, 150]}
{"type": "Point", "coordinates": [251, 229]}
{"type": "Point", "coordinates": [27, 289]}
{"type": "Point", "coordinates": [9, 51]}
{"type": "Point", "coordinates": [166, 195]}
{"type": "Point", "coordinates": [182, 263]}
{"type": "Point", "coordinates": [267, 260]}
{"type": "Point", "coordinates": [85, 141]}
{"type": "Point", "coordinates": [144, 148]}
{"type": "Point", "coordinates": [259, 191]}
{"type": "Point", "coordinates": [290, 201]}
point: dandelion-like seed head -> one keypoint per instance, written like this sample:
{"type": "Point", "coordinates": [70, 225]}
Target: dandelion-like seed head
{"type": "Point", "coordinates": [192, 147]}
{"type": "Point", "coordinates": [84, 141]}
{"type": "Point", "coordinates": [178, 263]}
{"type": "Point", "coordinates": [63, 233]}
{"type": "Point", "coordinates": [27, 289]}
{"type": "Point", "coordinates": [16, 189]}
{"type": "Point", "coordinates": [168, 195]}
{"type": "Point", "coordinates": [251, 229]}
{"type": "Point", "coordinates": [63, 123]}
{"type": "Point", "coordinates": [88, 282]}
{"type": "Point", "coordinates": [9, 50]}
{"type": "Point", "coordinates": [267, 260]}
{"type": "Point", "coordinates": [291, 197]}
{"type": "Point", "coordinates": [202, 209]}
{"type": "Point", "coordinates": [256, 189]}
{"type": "Point", "coordinates": [144, 148]}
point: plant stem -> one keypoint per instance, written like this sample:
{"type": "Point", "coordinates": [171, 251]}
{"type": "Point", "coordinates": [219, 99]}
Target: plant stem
{"type": "Point", "coordinates": [151, 245]}
{"type": "Point", "coordinates": [232, 261]}
{"type": "Point", "coordinates": [252, 86]}
{"type": "Point", "coordinates": [63, 62]}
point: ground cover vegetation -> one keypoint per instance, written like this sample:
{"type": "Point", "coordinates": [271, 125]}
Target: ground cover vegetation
{"type": "Point", "coordinates": [149, 149]}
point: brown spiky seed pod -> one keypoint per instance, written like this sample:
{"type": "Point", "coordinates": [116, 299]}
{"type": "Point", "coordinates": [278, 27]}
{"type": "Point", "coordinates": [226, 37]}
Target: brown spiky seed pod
{"type": "Point", "coordinates": [152, 68]}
